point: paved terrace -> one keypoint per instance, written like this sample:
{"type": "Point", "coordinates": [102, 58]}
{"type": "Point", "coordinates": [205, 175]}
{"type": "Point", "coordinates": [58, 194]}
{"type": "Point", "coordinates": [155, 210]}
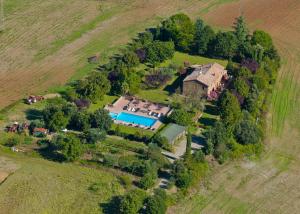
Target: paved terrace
{"type": "Point", "coordinates": [140, 107]}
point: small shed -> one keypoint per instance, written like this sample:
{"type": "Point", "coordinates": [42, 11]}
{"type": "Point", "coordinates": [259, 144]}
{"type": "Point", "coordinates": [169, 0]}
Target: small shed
{"type": "Point", "coordinates": [40, 132]}
{"type": "Point", "coordinates": [173, 132]}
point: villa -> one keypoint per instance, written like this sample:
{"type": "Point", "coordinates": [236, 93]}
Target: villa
{"type": "Point", "coordinates": [131, 111]}
{"type": "Point", "coordinates": [205, 80]}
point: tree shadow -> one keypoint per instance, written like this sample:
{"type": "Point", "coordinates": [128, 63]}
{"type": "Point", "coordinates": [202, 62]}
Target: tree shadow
{"type": "Point", "coordinates": [206, 121]}
{"type": "Point", "coordinates": [47, 153]}
{"type": "Point", "coordinates": [111, 206]}
{"type": "Point", "coordinates": [200, 140]}
{"type": "Point", "coordinates": [33, 114]}
{"type": "Point", "coordinates": [177, 83]}
{"type": "Point", "coordinates": [211, 109]}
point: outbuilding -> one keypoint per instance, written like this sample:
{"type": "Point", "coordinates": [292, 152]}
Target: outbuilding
{"type": "Point", "coordinates": [173, 132]}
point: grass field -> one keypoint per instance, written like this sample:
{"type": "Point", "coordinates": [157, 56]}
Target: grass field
{"type": "Point", "coordinates": [270, 184]}
{"type": "Point", "coordinates": [180, 58]}
{"type": "Point", "coordinates": [40, 186]}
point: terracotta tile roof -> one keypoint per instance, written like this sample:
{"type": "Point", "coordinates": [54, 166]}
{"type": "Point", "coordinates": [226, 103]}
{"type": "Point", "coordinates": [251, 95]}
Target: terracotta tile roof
{"type": "Point", "coordinates": [40, 130]}
{"type": "Point", "coordinates": [206, 74]}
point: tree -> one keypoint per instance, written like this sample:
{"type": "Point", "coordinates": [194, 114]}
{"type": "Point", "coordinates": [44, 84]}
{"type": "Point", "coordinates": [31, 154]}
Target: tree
{"type": "Point", "coordinates": [158, 51]}
{"type": "Point", "coordinates": [130, 59]}
{"type": "Point", "coordinates": [101, 119]}
{"type": "Point", "coordinates": [241, 86]}
{"type": "Point", "coordinates": [92, 136]}
{"type": "Point", "coordinates": [224, 45]}
{"type": "Point", "coordinates": [203, 35]}
{"type": "Point", "coordinates": [188, 150]}
{"type": "Point", "coordinates": [134, 81]}
{"type": "Point", "coordinates": [262, 38]}
{"type": "Point", "coordinates": [178, 28]}
{"type": "Point", "coordinates": [218, 137]}
{"type": "Point", "coordinates": [240, 30]}
{"type": "Point", "coordinates": [156, 204]}
{"type": "Point", "coordinates": [181, 174]}
{"type": "Point", "coordinates": [80, 121]}
{"type": "Point", "coordinates": [161, 141]}
{"type": "Point", "coordinates": [94, 87]}
{"type": "Point", "coordinates": [229, 108]}
{"type": "Point", "coordinates": [68, 146]}
{"type": "Point", "coordinates": [246, 132]}
{"type": "Point", "coordinates": [254, 101]}
{"type": "Point", "coordinates": [180, 117]}
{"type": "Point", "coordinates": [54, 117]}
{"type": "Point", "coordinates": [132, 202]}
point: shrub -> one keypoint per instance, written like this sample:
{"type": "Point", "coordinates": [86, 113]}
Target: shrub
{"type": "Point", "coordinates": [147, 181]}
{"type": "Point", "coordinates": [125, 180]}
{"type": "Point", "coordinates": [92, 136]}
{"type": "Point", "coordinates": [161, 141]}
{"type": "Point", "coordinates": [157, 79]}
{"type": "Point", "coordinates": [12, 141]}
{"type": "Point", "coordinates": [69, 147]}
{"type": "Point", "coordinates": [156, 204]}
{"type": "Point", "coordinates": [246, 132]}
{"type": "Point", "coordinates": [82, 103]}
{"type": "Point", "coordinates": [181, 117]}
{"type": "Point", "coordinates": [250, 64]}
{"type": "Point", "coordinates": [132, 202]}
{"type": "Point", "coordinates": [110, 160]}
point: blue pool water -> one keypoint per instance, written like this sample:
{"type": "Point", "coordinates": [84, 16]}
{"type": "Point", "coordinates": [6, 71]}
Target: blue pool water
{"type": "Point", "coordinates": [134, 119]}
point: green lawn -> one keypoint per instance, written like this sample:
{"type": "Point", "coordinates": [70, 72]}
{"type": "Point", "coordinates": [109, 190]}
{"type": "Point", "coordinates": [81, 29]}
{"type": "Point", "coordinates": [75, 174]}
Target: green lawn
{"type": "Point", "coordinates": [41, 186]}
{"type": "Point", "coordinates": [132, 130]}
{"type": "Point", "coordinates": [179, 58]}
{"type": "Point", "coordinates": [209, 116]}
{"type": "Point", "coordinates": [101, 103]}
{"type": "Point", "coordinates": [122, 144]}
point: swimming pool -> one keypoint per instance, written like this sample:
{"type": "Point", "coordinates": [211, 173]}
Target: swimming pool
{"type": "Point", "coordinates": [134, 119]}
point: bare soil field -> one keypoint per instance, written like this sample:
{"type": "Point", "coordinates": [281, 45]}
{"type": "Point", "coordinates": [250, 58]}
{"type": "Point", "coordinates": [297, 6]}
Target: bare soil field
{"type": "Point", "coordinates": [270, 184]}
{"type": "Point", "coordinates": [46, 42]}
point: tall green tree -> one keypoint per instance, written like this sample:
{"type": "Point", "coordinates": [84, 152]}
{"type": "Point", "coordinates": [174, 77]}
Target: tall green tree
{"type": "Point", "coordinates": [224, 45]}
{"type": "Point", "coordinates": [80, 121]}
{"type": "Point", "coordinates": [240, 30]}
{"type": "Point", "coordinates": [188, 150]}
{"type": "Point", "coordinates": [178, 28]}
{"type": "Point", "coordinates": [158, 51]}
{"type": "Point", "coordinates": [203, 35]}
{"type": "Point", "coordinates": [55, 118]}
{"type": "Point", "coordinates": [230, 111]}
{"type": "Point", "coordinates": [101, 119]}
{"type": "Point", "coordinates": [94, 87]}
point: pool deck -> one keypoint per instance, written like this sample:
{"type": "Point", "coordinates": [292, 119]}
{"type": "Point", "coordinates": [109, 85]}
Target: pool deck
{"type": "Point", "coordinates": [139, 107]}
